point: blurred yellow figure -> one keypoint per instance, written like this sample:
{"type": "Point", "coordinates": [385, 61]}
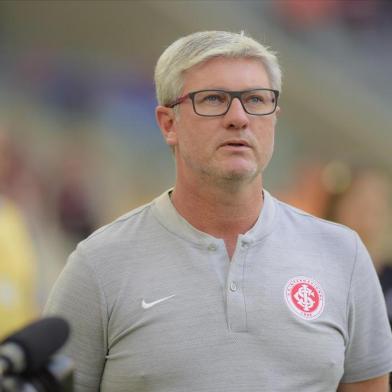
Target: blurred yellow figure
{"type": "Point", "coordinates": [18, 274]}
{"type": "Point", "coordinates": [17, 270]}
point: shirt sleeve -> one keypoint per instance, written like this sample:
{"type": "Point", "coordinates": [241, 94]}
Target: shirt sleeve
{"type": "Point", "coordinates": [369, 350]}
{"type": "Point", "coordinates": [79, 299]}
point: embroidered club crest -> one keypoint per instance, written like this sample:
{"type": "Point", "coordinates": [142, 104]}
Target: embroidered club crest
{"type": "Point", "coordinates": [304, 297]}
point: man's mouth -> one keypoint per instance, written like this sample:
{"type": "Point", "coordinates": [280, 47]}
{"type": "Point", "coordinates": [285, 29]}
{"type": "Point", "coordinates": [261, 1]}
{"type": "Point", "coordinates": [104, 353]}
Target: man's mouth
{"type": "Point", "coordinates": [235, 143]}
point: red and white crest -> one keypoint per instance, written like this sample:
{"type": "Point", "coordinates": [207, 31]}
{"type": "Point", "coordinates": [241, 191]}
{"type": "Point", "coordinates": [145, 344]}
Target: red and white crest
{"type": "Point", "coordinates": [305, 297]}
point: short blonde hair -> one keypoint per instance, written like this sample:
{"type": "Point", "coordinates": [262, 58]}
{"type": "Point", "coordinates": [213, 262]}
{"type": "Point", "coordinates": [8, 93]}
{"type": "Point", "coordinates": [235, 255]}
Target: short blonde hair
{"type": "Point", "coordinates": [199, 47]}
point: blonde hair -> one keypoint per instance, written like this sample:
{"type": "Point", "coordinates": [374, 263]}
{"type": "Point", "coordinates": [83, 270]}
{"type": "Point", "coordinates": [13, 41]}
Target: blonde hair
{"type": "Point", "coordinates": [199, 47]}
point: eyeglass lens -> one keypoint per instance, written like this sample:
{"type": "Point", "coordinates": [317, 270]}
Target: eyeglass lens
{"type": "Point", "coordinates": [213, 103]}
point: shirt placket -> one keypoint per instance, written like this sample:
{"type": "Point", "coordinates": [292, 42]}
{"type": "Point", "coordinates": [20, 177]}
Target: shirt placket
{"type": "Point", "coordinates": [236, 282]}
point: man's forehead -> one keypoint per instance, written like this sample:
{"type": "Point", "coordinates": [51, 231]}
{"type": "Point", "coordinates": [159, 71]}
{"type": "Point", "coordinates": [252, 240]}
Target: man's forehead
{"type": "Point", "coordinates": [224, 60]}
{"type": "Point", "coordinates": [212, 72]}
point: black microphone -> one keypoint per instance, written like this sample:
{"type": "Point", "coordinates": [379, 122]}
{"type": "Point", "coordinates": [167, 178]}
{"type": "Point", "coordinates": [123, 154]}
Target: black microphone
{"type": "Point", "coordinates": [28, 350]}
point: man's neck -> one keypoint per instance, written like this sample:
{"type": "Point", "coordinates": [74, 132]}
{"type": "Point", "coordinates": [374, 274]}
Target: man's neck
{"type": "Point", "coordinates": [216, 210]}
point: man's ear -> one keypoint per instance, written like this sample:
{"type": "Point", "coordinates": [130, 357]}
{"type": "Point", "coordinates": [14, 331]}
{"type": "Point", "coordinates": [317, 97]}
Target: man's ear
{"type": "Point", "coordinates": [276, 114]}
{"type": "Point", "coordinates": [166, 121]}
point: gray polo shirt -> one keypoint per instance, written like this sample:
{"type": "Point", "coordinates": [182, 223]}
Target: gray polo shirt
{"type": "Point", "coordinates": [156, 306]}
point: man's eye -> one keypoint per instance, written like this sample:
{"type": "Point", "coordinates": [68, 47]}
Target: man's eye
{"type": "Point", "coordinates": [255, 99]}
{"type": "Point", "coordinates": [213, 99]}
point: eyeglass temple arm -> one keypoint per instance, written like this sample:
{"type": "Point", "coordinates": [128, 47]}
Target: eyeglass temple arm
{"type": "Point", "coordinates": [178, 101]}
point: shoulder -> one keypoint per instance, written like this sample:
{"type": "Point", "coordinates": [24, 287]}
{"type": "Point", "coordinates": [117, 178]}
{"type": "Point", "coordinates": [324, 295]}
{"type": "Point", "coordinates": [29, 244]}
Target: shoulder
{"type": "Point", "coordinates": [304, 221]}
{"type": "Point", "coordinates": [122, 225]}
{"type": "Point", "coordinates": [318, 234]}
{"type": "Point", "coordinates": [120, 235]}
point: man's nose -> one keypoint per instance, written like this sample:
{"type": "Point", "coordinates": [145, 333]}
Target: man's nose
{"type": "Point", "coordinates": [236, 117]}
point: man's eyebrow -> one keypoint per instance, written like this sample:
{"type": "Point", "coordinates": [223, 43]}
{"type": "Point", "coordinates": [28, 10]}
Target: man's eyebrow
{"type": "Point", "coordinates": [226, 89]}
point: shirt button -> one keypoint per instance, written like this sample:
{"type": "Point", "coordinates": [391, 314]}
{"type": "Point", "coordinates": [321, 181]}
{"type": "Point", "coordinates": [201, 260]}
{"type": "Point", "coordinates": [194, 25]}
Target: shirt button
{"type": "Point", "coordinates": [245, 244]}
{"type": "Point", "coordinates": [212, 247]}
{"type": "Point", "coordinates": [233, 286]}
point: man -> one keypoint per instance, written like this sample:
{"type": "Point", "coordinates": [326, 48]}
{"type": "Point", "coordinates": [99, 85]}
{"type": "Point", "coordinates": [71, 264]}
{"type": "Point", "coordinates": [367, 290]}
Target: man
{"type": "Point", "coordinates": [216, 285]}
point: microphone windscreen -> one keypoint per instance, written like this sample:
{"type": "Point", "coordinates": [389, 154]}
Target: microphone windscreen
{"type": "Point", "coordinates": [40, 340]}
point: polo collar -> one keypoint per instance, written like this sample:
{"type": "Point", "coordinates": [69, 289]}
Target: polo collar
{"type": "Point", "coordinates": [167, 215]}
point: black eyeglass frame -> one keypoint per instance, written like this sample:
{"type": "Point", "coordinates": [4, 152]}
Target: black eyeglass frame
{"type": "Point", "coordinates": [233, 94]}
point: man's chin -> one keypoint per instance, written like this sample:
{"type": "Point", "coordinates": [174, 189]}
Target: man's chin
{"type": "Point", "coordinates": [239, 174]}
{"type": "Point", "coordinates": [234, 175]}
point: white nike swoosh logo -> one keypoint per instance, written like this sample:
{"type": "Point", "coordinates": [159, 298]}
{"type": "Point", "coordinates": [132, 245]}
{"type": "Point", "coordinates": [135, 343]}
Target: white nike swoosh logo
{"type": "Point", "coordinates": [147, 305]}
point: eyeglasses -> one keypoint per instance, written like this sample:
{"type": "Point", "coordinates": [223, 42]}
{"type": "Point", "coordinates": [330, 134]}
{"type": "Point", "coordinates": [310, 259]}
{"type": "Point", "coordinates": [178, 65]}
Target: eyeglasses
{"type": "Point", "coordinates": [210, 103]}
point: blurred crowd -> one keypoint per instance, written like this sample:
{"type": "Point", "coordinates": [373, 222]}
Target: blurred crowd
{"type": "Point", "coordinates": [353, 35]}
{"type": "Point", "coordinates": [352, 14]}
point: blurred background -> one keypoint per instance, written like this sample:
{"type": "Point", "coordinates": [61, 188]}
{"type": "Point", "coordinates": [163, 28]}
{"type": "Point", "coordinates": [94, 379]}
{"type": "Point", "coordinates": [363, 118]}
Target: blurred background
{"type": "Point", "coordinates": [79, 145]}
